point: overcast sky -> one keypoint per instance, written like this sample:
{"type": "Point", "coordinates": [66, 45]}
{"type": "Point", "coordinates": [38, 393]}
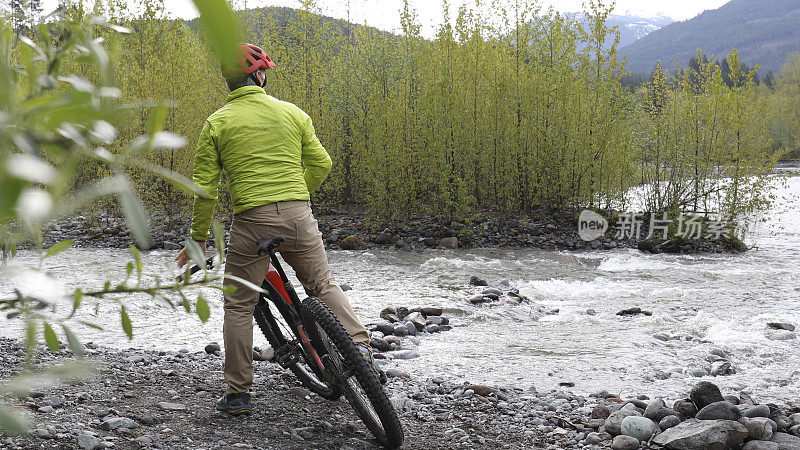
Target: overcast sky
{"type": "Point", "coordinates": [384, 13]}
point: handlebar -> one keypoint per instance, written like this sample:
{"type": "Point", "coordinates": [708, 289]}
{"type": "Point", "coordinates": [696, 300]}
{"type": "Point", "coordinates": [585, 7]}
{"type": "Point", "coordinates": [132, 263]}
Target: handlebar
{"type": "Point", "coordinates": [195, 268]}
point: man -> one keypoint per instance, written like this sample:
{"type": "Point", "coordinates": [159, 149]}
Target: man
{"type": "Point", "coordinates": [273, 161]}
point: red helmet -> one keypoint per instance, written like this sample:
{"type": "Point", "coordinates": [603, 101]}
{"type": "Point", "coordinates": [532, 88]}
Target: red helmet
{"type": "Point", "coordinates": [253, 59]}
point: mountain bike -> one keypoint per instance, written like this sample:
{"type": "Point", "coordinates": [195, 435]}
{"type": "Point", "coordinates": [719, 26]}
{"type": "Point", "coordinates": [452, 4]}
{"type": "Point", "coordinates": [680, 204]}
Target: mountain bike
{"type": "Point", "coordinates": [310, 341]}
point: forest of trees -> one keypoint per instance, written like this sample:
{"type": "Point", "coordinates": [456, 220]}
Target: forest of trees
{"type": "Point", "coordinates": [520, 111]}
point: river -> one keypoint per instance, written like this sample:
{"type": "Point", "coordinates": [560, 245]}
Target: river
{"type": "Point", "coordinates": [702, 301]}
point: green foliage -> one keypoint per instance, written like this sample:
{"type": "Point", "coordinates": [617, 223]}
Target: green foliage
{"type": "Point", "coordinates": [61, 150]}
{"type": "Point", "coordinates": [702, 140]}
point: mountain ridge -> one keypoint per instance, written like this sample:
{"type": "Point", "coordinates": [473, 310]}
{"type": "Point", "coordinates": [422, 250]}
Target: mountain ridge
{"type": "Point", "coordinates": [764, 32]}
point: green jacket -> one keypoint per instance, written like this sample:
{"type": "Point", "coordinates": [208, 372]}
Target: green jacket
{"type": "Point", "coordinates": [267, 148]}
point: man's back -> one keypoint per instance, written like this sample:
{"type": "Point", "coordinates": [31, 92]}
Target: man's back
{"type": "Point", "coordinates": [267, 148]}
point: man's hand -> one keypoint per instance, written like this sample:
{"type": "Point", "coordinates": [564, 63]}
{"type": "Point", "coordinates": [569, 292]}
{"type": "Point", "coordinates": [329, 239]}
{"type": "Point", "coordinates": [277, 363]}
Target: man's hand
{"type": "Point", "coordinates": [183, 255]}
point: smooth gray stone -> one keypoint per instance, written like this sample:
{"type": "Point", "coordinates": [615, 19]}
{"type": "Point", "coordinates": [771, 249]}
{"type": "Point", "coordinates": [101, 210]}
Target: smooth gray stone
{"type": "Point", "coordinates": [719, 411]}
{"type": "Point", "coordinates": [696, 434]}
{"type": "Point", "coordinates": [640, 428]}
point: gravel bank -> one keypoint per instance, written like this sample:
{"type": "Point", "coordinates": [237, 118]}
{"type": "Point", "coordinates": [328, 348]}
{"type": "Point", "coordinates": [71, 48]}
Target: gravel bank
{"type": "Point", "coordinates": [144, 399]}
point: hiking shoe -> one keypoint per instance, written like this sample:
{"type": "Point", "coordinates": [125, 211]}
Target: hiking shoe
{"type": "Point", "coordinates": [235, 404]}
{"type": "Point", "coordinates": [366, 352]}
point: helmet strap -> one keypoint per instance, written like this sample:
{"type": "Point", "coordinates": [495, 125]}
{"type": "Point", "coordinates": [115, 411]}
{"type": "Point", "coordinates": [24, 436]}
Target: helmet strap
{"type": "Point", "coordinates": [255, 78]}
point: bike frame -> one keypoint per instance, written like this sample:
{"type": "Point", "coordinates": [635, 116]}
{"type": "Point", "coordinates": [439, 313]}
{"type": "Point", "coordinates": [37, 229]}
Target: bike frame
{"type": "Point", "coordinates": [284, 297]}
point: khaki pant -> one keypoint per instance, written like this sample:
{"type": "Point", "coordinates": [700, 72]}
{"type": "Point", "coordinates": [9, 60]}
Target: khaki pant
{"type": "Point", "coordinates": [303, 251]}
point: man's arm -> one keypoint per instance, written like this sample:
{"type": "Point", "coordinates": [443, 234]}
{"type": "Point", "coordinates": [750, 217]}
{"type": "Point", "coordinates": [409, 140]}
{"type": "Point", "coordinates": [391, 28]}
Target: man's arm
{"type": "Point", "coordinates": [207, 168]}
{"type": "Point", "coordinates": [315, 159]}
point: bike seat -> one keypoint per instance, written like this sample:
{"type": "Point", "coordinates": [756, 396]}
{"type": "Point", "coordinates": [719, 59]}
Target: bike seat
{"type": "Point", "coordinates": [268, 245]}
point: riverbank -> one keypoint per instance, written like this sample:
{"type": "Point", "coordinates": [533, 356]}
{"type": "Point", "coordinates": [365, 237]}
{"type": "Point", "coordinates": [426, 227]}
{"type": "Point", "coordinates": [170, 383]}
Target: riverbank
{"type": "Point", "coordinates": [351, 229]}
{"type": "Point", "coordinates": [164, 399]}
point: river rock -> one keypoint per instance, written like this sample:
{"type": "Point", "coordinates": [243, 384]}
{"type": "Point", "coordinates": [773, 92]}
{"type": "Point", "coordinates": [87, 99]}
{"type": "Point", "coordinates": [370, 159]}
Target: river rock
{"type": "Point", "coordinates": [386, 328]}
{"type": "Point", "coordinates": [786, 441]}
{"type": "Point", "coordinates": [406, 354]}
{"type": "Point", "coordinates": [353, 242]}
{"type": "Point", "coordinates": [759, 428]}
{"type": "Point", "coordinates": [756, 411]}
{"type": "Point", "coordinates": [613, 423]}
{"type": "Point", "coordinates": [795, 418]}
{"type": "Point", "coordinates": [448, 242]}
{"type": "Point", "coordinates": [477, 281]}
{"type": "Point", "coordinates": [417, 319]}
{"type": "Point", "coordinates": [653, 407]}
{"type": "Point", "coordinates": [704, 394]}
{"type": "Point", "coordinates": [167, 406]}
{"type": "Point", "coordinates": [719, 411]}
{"type": "Point", "coordinates": [436, 320]}
{"type": "Point", "coordinates": [601, 412]}
{"type": "Point", "coordinates": [397, 373]}
{"type": "Point", "coordinates": [669, 422]}
{"type": "Point", "coordinates": [87, 441]}
{"type": "Point", "coordinates": [783, 423]}
{"type": "Point", "coordinates": [664, 412]}
{"type": "Point", "coordinates": [400, 329]}
{"type": "Point", "coordinates": [492, 292]}
{"type": "Point", "coordinates": [781, 326]}
{"type": "Point", "coordinates": [719, 368]}
{"type": "Point", "coordinates": [640, 428]}
{"type": "Point", "coordinates": [623, 442]}
{"type": "Point", "coordinates": [478, 299]}
{"type": "Point", "coordinates": [389, 314]}
{"type": "Point", "coordinates": [402, 312]}
{"type": "Point", "coordinates": [393, 340]}
{"type": "Point", "coordinates": [634, 312]}
{"type": "Point", "coordinates": [380, 344]}
{"type": "Point", "coordinates": [432, 328]}
{"type": "Point", "coordinates": [411, 328]}
{"type": "Point", "coordinates": [112, 423]}
{"type": "Point", "coordinates": [695, 434]}
{"type": "Point", "coordinates": [212, 348]}
{"type": "Point", "coordinates": [761, 445]}
{"type": "Point", "coordinates": [685, 409]}
{"type": "Point", "coordinates": [431, 311]}
{"type": "Point", "coordinates": [480, 389]}
{"type": "Point", "coordinates": [732, 399]}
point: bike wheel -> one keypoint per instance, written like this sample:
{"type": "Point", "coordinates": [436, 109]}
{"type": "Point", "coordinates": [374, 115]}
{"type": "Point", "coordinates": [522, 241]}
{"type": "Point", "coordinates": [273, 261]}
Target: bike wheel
{"type": "Point", "coordinates": [276, 328]}
{"type": "Point", "coordinates": [352, 372]}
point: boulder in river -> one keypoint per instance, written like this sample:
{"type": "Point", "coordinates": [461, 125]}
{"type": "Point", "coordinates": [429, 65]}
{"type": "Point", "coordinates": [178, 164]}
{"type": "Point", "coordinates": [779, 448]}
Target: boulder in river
{"type": "Point", "coordinates": [781, 326]}
{"type": "Point", "coordinates": [635, 311]}
{"type": "Point", "coordinates": [705, 393]}
{"type": "Point", "coordinates": [477, 281]}
{"type": "Point", "coordinates": [696, 434]}
{"type": "Point", "coordinates": [431, 311]}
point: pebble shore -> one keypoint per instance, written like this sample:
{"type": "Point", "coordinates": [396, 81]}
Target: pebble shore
{"type": "Point", "coordinates": [148, 399]}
